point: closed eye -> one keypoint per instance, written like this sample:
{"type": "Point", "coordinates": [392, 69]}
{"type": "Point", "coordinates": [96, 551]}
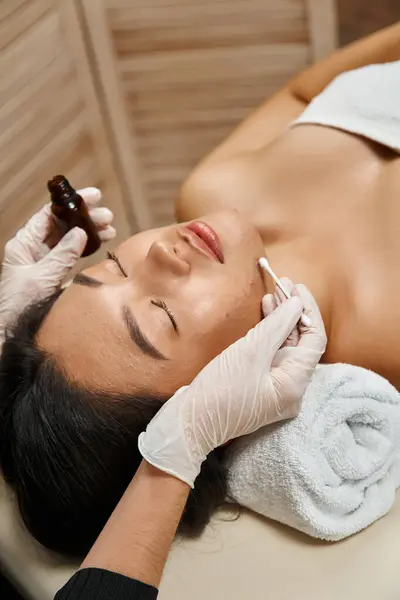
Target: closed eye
{"type": "Point", "coordinates": [161, 304]}
{"type": "Point", "coordinates": [112, 256]}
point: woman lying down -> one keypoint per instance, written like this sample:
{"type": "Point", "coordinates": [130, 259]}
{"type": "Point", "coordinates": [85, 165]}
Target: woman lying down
{"type": "Point", "coordinates": [311, 181]}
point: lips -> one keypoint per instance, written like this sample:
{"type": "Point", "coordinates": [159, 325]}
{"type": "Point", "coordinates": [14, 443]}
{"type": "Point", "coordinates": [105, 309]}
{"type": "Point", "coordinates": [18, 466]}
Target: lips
{"type": "Point", "coordinates": [207, 238]}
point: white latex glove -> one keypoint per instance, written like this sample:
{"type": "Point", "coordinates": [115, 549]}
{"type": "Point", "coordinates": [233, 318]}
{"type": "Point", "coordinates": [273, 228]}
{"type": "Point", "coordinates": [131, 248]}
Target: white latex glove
{"type": "Point", "coordinates": [252, 383]}
{"type": "Point", "coordinates": [272, 301]}
{"type": "Point", "coordinates": [31, 271]}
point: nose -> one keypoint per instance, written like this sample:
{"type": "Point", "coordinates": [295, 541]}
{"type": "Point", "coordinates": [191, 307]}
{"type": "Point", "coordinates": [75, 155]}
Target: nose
{"type": "Point", "coordinates": [164, 255]}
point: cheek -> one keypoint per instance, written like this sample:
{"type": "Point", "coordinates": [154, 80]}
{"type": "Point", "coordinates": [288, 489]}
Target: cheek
{"type": "Point", "coordinates": [214, 326]}
{"type": "Point", "coordinates": [222, 318]}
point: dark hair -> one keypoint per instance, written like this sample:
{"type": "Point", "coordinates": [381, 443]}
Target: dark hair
{"type": "Point", "coordinates": [69, 453]}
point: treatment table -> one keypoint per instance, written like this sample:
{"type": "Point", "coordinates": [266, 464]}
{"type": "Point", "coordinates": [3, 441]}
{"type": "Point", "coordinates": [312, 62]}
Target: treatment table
{"type": "Point", "coordinates": [236, 558]}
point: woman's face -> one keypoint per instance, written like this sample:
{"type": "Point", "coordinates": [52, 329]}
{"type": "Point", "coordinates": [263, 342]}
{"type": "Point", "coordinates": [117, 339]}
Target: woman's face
{"type": "Point", "coordinates": [150, 320]}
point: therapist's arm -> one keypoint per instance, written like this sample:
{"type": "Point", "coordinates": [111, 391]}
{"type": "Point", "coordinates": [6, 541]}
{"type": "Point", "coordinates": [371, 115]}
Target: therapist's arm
{"type": "Point", "coordinates": [134, 543]}
{"type": "Point", "coordinates": [142, 527]}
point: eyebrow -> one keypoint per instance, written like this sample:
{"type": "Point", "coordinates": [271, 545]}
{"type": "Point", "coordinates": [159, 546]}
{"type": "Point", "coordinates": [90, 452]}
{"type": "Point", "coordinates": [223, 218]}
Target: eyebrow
{"type": "Point", "coordinates": [138, 336]}
{"type": "Point", "coordinates": [135, 333]}
{"type": "Point", "coordinates": [87, 281]}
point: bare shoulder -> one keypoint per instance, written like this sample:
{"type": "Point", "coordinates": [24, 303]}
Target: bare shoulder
{"type": "Point", "coordinates": [221, 178]}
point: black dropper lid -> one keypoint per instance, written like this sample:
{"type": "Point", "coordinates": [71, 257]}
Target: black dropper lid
{"type": "Point", "coordinates": [60, 189]}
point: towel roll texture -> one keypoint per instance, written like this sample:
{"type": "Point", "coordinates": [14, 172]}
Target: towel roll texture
{"type": "Point", "coordinates": [334, 469]}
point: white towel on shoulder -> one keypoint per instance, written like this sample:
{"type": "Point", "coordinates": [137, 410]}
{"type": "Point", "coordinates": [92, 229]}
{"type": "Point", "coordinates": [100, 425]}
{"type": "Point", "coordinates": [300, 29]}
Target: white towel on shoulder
{"type": "Point", "coordinates": [365, 101]}
{"type": "Point", "coordinates": [334, 469]}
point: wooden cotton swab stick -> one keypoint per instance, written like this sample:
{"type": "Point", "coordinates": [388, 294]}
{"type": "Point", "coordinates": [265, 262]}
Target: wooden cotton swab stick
{"type": "Point", "coordinates": [264, 264]}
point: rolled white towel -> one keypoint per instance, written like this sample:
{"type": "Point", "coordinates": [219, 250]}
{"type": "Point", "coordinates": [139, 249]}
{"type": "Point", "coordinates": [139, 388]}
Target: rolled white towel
{"type": "Point", "coordinates": [334, 469]}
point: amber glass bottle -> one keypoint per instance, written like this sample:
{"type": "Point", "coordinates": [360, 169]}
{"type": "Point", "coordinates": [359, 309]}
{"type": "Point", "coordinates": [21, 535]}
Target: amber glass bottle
{"type": "Point", "coordinates": [69, 210]}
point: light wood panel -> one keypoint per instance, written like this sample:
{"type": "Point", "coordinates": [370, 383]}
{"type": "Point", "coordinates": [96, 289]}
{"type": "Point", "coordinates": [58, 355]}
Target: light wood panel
{"type": "Point", "coordinates": [130, 94]}
{"type": "Point", "coordinates": [50, 114]}
{"type": "Point", "coordinates": [181, 74]}
{"type": "Point", "coordinates": [322, 20]}
{"type": "Point", "coordinates": [153, 26]}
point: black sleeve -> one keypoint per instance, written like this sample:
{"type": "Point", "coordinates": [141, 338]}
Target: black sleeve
{"type": "Point", "coordinates": [99, 584]}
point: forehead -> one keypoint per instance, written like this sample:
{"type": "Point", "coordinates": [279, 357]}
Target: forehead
{"type": "Point", "coordinates": [85, 335]}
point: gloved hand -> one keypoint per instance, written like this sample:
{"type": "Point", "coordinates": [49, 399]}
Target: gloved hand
{"type": "Point", "coordinates": [31, 271]}
{"type": "Point", "coordinates": [254, 382]}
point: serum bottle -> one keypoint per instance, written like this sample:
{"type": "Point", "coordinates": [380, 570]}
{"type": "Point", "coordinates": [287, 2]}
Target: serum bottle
{"type": "Point", "coordinates": [69, 210]}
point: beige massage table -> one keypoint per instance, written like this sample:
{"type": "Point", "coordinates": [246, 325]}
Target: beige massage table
{"type": "Point", "coordinates": [246, 558]}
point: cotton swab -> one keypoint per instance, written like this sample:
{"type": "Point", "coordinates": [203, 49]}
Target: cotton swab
{"type": "Point", "coordinates": [264, 264]}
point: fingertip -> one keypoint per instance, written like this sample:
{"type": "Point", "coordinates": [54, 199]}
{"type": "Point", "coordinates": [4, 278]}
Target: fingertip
{"type": "Point", "coordinates": [281, 322]}
{"type": "Point", "coordinates": [295, 292]}
{"type": "Point", "coordinates": [302, 290]}
{"type": "Point", "coordinates": [91, 195]}
{"type": "Point", "coordinates": [74, 237]}
{"type": "Point", "coordinates": [66, 253]}
{"type": "Point", "coordinates": [293, 307]}
{"type": "Point", "coordinates": [267, 297]}
{"type": "Point", "coordinates": [294, 302]}
{"type": "Point", "coordinates": [267, 304]}
{"type": "Point", "coordinates": [287, 312]}
{"type": "Point", "coordinates": [107, 234]}
{"type": "Point", "coordinates": [287, 284]}
{"type": "Point", "coordinates": [289, 307]}
{"type": "Point", "coordinates": [309, 302]}
{"type": "Point", "coordinates": [105, 212]}
{"type": "Point", "coordinates": [101, 216]}
{"type": "Point", "coordinates": [306, 321]}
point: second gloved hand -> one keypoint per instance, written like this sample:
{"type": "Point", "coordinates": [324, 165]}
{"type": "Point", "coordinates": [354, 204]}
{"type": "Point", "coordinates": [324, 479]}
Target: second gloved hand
{"type": "Point", "coordinates": [31, 270]}
{"type": "Point", "coordinates": [251, 384]}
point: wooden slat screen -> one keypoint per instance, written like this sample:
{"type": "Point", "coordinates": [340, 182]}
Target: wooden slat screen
{"type": "Point", "coordinates": [191, 70]}
{"type": "Point", "coordinates": [129, 95]}
{"type": "Point", "coordinates": [47, 120]}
